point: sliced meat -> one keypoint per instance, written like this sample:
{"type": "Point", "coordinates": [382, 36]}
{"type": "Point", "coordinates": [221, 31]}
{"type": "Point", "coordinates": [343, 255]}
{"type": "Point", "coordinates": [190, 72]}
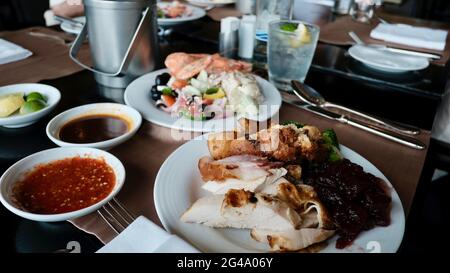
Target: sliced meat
{"type": "Point", "coordinates": [291, 240]}
{"type": "Point", "coordinates": [242, 209]}
{"type": "Point", "coordinates": [303, 199]}
{"type": "Point", "coordinates": [254, 185]}
{"type": "Point", "coordinates": [245, 167]}
{"type": "Point", "coordinates": [238, 172]}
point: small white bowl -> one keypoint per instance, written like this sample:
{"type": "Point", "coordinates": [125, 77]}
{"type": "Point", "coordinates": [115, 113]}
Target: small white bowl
{"type": "Point", "coordinates": [132, 116]}
{"type": "Point", "coordinates": [17, 171]}
{"type": "Point", "coordinates": [16, 120]}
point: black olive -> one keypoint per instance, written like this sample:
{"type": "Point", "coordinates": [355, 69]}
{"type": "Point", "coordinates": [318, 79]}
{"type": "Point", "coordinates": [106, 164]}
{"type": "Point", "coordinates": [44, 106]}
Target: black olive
{"type": "Point", "coordinates": [162, 79]}
{"type": "Point", "coordinates": [210, 116]}
{"type": "Point", "coordinates": [155, 94]}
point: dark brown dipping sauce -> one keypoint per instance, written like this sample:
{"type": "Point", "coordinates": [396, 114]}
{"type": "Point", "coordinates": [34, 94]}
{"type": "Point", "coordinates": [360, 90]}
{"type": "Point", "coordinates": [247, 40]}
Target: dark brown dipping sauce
{"type": "Point", "coordinates": [95, 128]}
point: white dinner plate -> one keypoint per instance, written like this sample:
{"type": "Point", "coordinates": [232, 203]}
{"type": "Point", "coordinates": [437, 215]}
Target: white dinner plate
{"type": "Point", "coordinates": [71, 28]}
{"type": "Point", "coordinates": [387, 61]}
{"type": "Point", "coordinates": [137, 95]}
{"type": "Point", "coordinates": [208, 3]}
{"type": "Point", "coordinates": [196, 13]}
{"type": "Point", "coordinates": [178, 186]}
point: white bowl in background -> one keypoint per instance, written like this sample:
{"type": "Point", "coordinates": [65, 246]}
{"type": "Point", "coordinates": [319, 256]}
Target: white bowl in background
{"type": "Point", "coordinates": [17, 171]}
{"type": "Point", "coordinates": [16, 120]}
{"type": "Point", "coordinates": [132, 116]}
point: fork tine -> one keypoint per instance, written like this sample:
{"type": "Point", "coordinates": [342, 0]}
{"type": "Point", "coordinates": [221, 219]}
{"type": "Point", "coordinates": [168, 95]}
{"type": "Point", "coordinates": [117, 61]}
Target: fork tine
{"type": "Point", "coordinates": [116, 215]}
{"type": "Point", "coordinates": [124, 209]}
{"type": "Point", "coordinates": [119, 217]}
{"type": "Point", "coordinates": [106, 219]}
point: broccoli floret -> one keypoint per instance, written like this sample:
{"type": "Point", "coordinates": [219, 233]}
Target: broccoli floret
{"type": "Point", "coordinates": [334, 154]}
{"type": "Point", "coordinates": [330, 137]}
{"type": "Point", "coordinates": [297, 124]}
{"type": "Point", "coordinates": [331, 141]}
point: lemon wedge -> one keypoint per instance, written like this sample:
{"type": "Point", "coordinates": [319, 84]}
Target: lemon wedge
{"type": "Point", "coordinates": [302, 36]}
{"type": "Point", "coordinates": [215, 95]}
{"type": "Point", "coordinates": [10, 103]}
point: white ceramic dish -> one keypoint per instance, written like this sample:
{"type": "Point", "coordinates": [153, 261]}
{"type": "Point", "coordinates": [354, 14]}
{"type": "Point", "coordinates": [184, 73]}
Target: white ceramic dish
{"type": "Point", "coordinates": [387, 61]}
{"type": "Point", "coordinates": [178, 186]}
{"type": "Point", "coordinates": [16, 120]}
{"type": "Point", "coordinates": [72, 28]}
{"type": "Point", "coordinates": [132, 116]}
{"type": "Point", "coordinates": [19, 169]}
{"type": "Point", "coordinates": [196, 13]}
{"type": "Point", "coordinates": [137, 95]}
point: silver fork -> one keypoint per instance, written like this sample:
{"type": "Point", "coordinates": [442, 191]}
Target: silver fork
{"type": "Point", "coordinates": [116, 215]}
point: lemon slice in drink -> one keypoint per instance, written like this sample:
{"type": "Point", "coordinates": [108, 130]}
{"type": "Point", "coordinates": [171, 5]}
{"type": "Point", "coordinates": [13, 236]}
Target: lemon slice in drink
{"type": "Point", "coordinates": [302, 36]}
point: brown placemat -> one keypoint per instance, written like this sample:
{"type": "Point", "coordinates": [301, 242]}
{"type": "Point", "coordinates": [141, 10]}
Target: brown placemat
{"type": "Point", "coordinates": [219, 13]}
{"type": "Point", "coordinates": [146, 151]}
{"type": "Point", "coordinates": [336, 33]}
{"type": "Point", "coordinates": [50, 59]}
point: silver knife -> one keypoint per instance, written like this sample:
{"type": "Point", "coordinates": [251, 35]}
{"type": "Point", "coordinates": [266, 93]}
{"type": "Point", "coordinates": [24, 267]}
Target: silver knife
{"type": "Point", "coordinates": [411, 52]}
{"type": "Point", "coordinates": [404, 140]}
{"type": "Point", "coordinates": [68, 20]}
{"type": "Point", "coordinates": [358, 41]}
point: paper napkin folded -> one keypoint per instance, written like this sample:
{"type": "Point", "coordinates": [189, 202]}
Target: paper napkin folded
{"type": "Point", "coordinates": [410, 35]}
{"type": "Point", "coordinates": [10, 52]}
{"type": "Point", "coordinates": [143, 236]}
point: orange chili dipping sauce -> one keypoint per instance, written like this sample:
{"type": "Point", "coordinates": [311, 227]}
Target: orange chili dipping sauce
{"type": "Point", "coordinates": [65, 185]}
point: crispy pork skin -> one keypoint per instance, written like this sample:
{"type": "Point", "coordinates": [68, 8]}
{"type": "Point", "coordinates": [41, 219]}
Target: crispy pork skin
{"type": "Point", "coordinates": [285, 143]}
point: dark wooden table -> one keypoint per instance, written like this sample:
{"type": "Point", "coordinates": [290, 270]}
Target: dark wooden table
{"type": "Point", "coordinates": [329, 74]}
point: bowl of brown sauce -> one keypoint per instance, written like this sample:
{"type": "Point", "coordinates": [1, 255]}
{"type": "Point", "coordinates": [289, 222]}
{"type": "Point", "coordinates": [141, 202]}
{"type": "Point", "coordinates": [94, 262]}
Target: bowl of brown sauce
{"type": "Point", "coordinates": [98, 125]}
{"type": "Point", "coordinates": [61, 183]}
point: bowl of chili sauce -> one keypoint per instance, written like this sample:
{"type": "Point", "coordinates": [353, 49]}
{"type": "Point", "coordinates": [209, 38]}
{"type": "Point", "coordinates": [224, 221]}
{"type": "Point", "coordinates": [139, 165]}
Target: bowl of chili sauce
{"type": "Point", "coordinates": [61, 183]}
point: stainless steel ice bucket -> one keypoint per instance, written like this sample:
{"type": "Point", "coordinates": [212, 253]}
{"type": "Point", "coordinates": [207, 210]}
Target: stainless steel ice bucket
{"type": "Point", "coordinates": [122, 38]}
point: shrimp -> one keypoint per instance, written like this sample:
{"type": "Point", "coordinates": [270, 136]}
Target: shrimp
{"type": "Point", "coordinates": [184, 66]}
{"type": "Point", "coordinates": [220, 64]}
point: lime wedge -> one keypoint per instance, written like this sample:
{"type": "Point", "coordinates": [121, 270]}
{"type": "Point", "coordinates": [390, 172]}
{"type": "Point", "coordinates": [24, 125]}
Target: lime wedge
{"type": "Point", "coordinates": [35, 96]}
{"type": "Point", "coordinates": [32, 106]}
{"type": "Point", "coordinates": [289, 27]}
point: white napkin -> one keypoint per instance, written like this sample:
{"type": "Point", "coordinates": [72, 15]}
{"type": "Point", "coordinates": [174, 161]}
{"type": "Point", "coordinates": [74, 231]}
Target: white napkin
{"type": "Point", "coordinates": [143, 236]}
{"type": "Point", "coordinates": [410, 35]}
{"type": "Point", "coordinates": [10, 52]}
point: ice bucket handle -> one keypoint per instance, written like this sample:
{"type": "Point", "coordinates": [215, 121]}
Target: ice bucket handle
{"type": "Point", "coordinates": [126, 59]}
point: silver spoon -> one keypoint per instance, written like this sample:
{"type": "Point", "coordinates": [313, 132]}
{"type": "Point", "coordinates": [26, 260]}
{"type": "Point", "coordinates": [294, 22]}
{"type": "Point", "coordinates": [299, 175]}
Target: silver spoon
{"type": "Point", "coordinates": [312, 97]}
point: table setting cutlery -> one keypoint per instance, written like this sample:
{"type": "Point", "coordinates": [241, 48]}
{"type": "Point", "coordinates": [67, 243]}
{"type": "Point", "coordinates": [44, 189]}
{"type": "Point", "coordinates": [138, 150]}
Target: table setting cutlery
{"type": "Point", "coordinates": [390, 133]}
{"type": "Point", "coordinates": [358, 41]}
{"type": "Point", "coordinates": [311, 96]}
{"type": "Point", "coordinates": [68, 20]}
{"type": "Point", "coordinates": [138, 234]}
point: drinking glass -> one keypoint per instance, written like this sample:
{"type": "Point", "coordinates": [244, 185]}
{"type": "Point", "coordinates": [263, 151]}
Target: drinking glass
{"type": "Point", "coordinates": [362, 10]}
{"type": "Point", "coordinates": [290, 53]}
{"type": "Point", "coordinates": [267, 11]}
